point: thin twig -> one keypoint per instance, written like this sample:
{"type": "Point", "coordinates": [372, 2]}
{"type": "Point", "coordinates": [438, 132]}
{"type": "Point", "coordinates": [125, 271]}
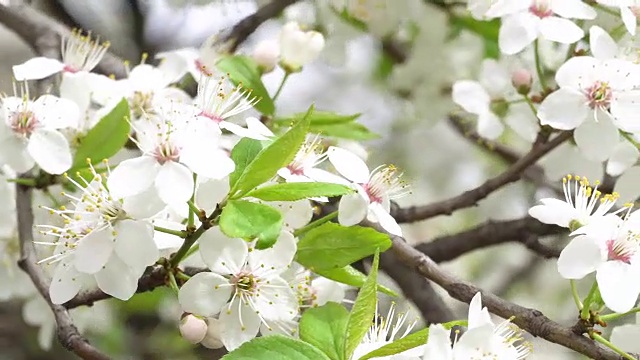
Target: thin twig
{"type": "Point", "coordinates": [471, 197]}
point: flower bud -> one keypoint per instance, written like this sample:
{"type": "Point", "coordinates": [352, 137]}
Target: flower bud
{"type": "Point", "coordinates": [266, 54]}
{"type": "Point", "coordinates": [212, 338]}
{"type": "Point", "coordinates": [521, 80]}
{"type": "Point", "coordinates": [297, 47]}
{"type": "Point", "coordinates": [193, 328]}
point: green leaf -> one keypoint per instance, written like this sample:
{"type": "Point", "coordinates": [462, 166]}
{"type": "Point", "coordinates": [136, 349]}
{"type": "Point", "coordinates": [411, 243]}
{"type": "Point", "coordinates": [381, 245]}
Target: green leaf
{"type": "Point", "coordinates": [249, 220]}
{"type": "Point", "coordinates": [351, 276]}
{"type": "Point", "coordinates": [319, 118]}
{"type": "Point", "coordinates": [297, 191]}
{"type": "Point", "coordinates": [244, 70]}
{"type": "Point", "coordinates": [272, 158]}
{"type": "Point", "coordinates": [489, 30]}
{"type": "Point", "coordinates": [351, 130]}
{"type": "Point", "coordinates": [105, 139]}
{"type": "Point", "coordinates": [411, 341]}
{"type": "Point", "coordinates": [363, 311]}
{"type": "Point", "coordinates": [325, 328]}
{"type": "Point", "coordinates": [334, 246]}
{"type": "Point", "coordinates": [242, 155]}
{"type": "Point", "coordinates": [276, 347]}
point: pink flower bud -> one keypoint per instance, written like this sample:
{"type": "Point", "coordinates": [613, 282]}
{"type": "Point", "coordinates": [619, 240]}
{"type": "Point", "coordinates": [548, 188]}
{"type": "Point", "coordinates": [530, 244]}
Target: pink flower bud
{"type": "Point", "coordinates": [266, 54]}
{"type": "Point", "coordinates": [193, 328]}
{"type": "Point", "coordinates": [521, 80]}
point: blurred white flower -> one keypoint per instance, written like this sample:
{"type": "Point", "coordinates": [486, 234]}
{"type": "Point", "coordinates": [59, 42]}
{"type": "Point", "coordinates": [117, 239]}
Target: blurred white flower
{"type": "Point", "coordinates": [297, 47]}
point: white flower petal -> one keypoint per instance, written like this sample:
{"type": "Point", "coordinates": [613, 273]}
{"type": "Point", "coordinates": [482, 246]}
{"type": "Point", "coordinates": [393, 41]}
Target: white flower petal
{"type": "Point", "coordinates": [596, 139]}
{"type": "Point", "coordinates": [352, 209]}
{"type": "Point", "coordinates": [348, 165]}
{"type": "Point", "coordinates": [471, 96]}
{"type": "Point", "coordinates": [222, 254]}
{"type": "Point", "coordinates": [626, 337]}
{"type": "Point", "coordinates": [439, 343]}
{"type": "Point", "coordinates": [618, 293]}
{"type": "Point", "coordinates": [563, 109]}
{"type": "Point", "coordinates": [257, 128]}
{"type": "Point", "coordinates": [65, 283]}
{"type": "Point", "coordinates": [580, 257]}
{"type": "Point", "coordinates": [602, 44]}
{"type": "Point", "coordinates": [385, 219]}
{"type": "Point", "coordinates": [478, 316]}
{"type": "Point", "coordinates": [239, 323]}
{"type": "Point", "coordinates": [489, 126]}
{"type": "Point", "coordinates": [628, 18]}
{"type": "Point", "coordinates": [275, 259]}
{"type": "Point", "coordinates": [50, 150]}
{"type": "Point", "coordinates": [475, 343]}
{"type": "Point", "coordinates": [296, 213]}
{"type": "Point", "coordinates": [209, 194]}
{"type": "Point", "coordinates": [134, 243]}
{"type": "Point", "coordinates": [55, 112]}
{"type": "Point", "coordinates": [625, 109]}
{"type": "Point", "coordinates": [276, 301]}
{"type": "Point", "coordinates": [94, 250]}
{"type": "Point", "coordinates": [578, 72]}
{"type": "Point", "coordinates": [37, 68]}
{"type": "Point", "coordinates": [517, 32]}
{"type": "Point", "coordinates": [554, 211]}
{"type": "Point", "coordinates": [560, 30]}
{"type": "Point", "coordinates": [174, 183]}
{"type": "Point", "coordinates": [327, 290]}
{"type": "Point", "coordinates": [627, 185]}
{"type": "Point", "coordinates": [623, 157]}
{"type": "Point", "coordinates": [13, 152]}
{"type": "Point", "coordinates": [573, 9]}
{"type": "Point", "coordinates": [132, 176]}
{"type": "Point", "coordinates": [205, 294]}
{"type": "Point", "coordinates": [117, 279]}
{"type": "Point", "coordinates": [143, 205]}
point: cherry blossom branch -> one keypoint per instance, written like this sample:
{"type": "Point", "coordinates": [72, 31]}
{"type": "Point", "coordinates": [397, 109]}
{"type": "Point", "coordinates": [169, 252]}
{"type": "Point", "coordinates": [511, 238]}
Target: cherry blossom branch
{"type": "Point", "coordinates": [31, 25]}
{"type": "Point", "coordinates": [490, 233]}
{"type": "Point", "coordinates": [247, 26]}
{"type": "Point", "coordinates": [531, 320]}
{"type": "Point", "coordinates": [471, 197]}
{"type": "Point", "coordinates": [68, 334]}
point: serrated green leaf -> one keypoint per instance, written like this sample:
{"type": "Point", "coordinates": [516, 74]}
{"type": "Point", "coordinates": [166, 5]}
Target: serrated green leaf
{"type": "Point", "coordinates": [244, 70]}
{"type": "Point", "coordinates": [105, 139]}
{"type": "Point", "coordinates": [410, 341]}
{"type": "Point", "coordinates": [351, 130]}
{"type": "Point", "coordinates": [249, 220]}
{"type": "Point", "coordinates": [276, 347]}
{"type": "Point", "coordinates": [272, 158]}
{"type": "Point", "coordinates": [325, 328]}
{"type": "Point", "coordinates": [335, 246]}
{"type": "Point", "coordinates": [351, 276]}
{"type": "Point", "coordinates": [363, 311]}
{"type": "Point", "coordinates": [319, 118]}
{"type": "Point", "coordinates": [297, 191]}
{"type": "Point", "coordinates": [242, 155]}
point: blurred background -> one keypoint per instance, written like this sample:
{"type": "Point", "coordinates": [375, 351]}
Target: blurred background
{"type": "Point", "coordinates": [403, 94]}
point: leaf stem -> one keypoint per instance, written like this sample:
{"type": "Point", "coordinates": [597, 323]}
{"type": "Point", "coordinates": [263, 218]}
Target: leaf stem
{"type": "Point", "coordinates": [191, 238]}
{"type": "Point", "coordinates": [584, 313]}
{"type": "Point", "coordinates": [539, 70]}
{"type": "Point", "coordinates": [531, 106]}
{"type": "Point", "coordinates": [315, 224]}
{"type": "Point", "coordinates": [606, 9]}
{"type": "Point", "coordinates": [193, 210]}
{"type": "Point", "coordinates": [608, 344]}
{"type": "Point", "coordinates": [614, 316]}
{"type": "Point", "coordinates": [178, 233]}
{"type": "Point", "coordinates": [23, 181]}
{"type": "Point", "coordinates": [172, 282]}
{"type": "Point", "coordinates": [284, 79]}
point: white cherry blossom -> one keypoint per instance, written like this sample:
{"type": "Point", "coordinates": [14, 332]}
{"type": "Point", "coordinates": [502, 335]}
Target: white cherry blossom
{"type": "Point", "coordinates": [375, 190]}
{"type": "Point", "coordinates": [629, 11]}
{"type": "Point", "coordinates": [303, 167]}
{"type": "Point", "coordinates": [244, 286]}
{"type": "Point", "coordinates": [200, 63]}
{"type": "Point", "coordinates": [29, 133]}
{"type": "Point", "coordinates": [582, 205]}
{"type": "Point", "coordinates": [524, 21]}
{"type": "Point", "coordinates": [297, 47]}
{"type": "Point", "coordinates": [609, 247]}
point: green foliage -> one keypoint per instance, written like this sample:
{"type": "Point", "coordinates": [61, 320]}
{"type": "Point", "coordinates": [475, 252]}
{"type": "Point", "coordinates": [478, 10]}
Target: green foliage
{"type": "Point", "coordinates": [351, 276]}
{"type": "Point", "coordinates": [332, 124]}
{"type": "Point", "coordinates": [249, 220]}
{"type": "Point", "coordinates": [411, 341]}
{"type": "Point", "coordinates": [332, 246]}
{"type": "Point", "coordinates": [325, 328]}
{"type": "Point", "coordinates": [272, 158]}
{"type": "Point", "coordinates": [276, 347]}
{"type": "Point", "coordinates": [297, 191]}
{"type": "Point", "coordinates": [242, 155]}
{"type": "Point", "coordinates": [363, 311]}
{"type": "Point", "coordinates": [243, 70]}
{"type": "Point", "coordinates": [105, 139]}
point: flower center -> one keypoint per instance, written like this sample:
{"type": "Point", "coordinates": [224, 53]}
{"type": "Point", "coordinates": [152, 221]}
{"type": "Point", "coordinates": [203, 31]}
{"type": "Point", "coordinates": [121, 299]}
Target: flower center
{"type": "Point", "coordinates": [23, 123]}
{"type": "Point", "coordinates": [203, 68]}
{"type": "Point", "coordinates": [599, 95]}
{"type": "Point", "coordinates": [141, 103]}
{"type": "Point", "coordinates": [245, 283]}
{"type": "Point", "coordinates": [541, 8]}
{"type": "Point", "coordinates": [217, 119]}
{"type": "Point", "coordinates": [166, 152]}
{"type": "Point", "coordinates": [622, 249]}
{"type": "Point", "coordinates": [385, 181]}
{"type": "Point", "coordinates": [80, 53]}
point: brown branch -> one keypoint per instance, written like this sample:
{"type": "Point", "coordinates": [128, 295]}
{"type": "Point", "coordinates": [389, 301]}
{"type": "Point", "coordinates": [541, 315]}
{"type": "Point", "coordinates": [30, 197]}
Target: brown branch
{"type": "Point", "coordinates": [31, 25]}
{"type": "Point", "coordinates": [245, 27]}
{"type": "Point", "coordinates": [471, 197]}
{"type": "Point", "coordinates": [490, 233]}
{"type": "Point", "coordinates": [531, 320]}
{"type": "Point", "coordinates": [68, 334]}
